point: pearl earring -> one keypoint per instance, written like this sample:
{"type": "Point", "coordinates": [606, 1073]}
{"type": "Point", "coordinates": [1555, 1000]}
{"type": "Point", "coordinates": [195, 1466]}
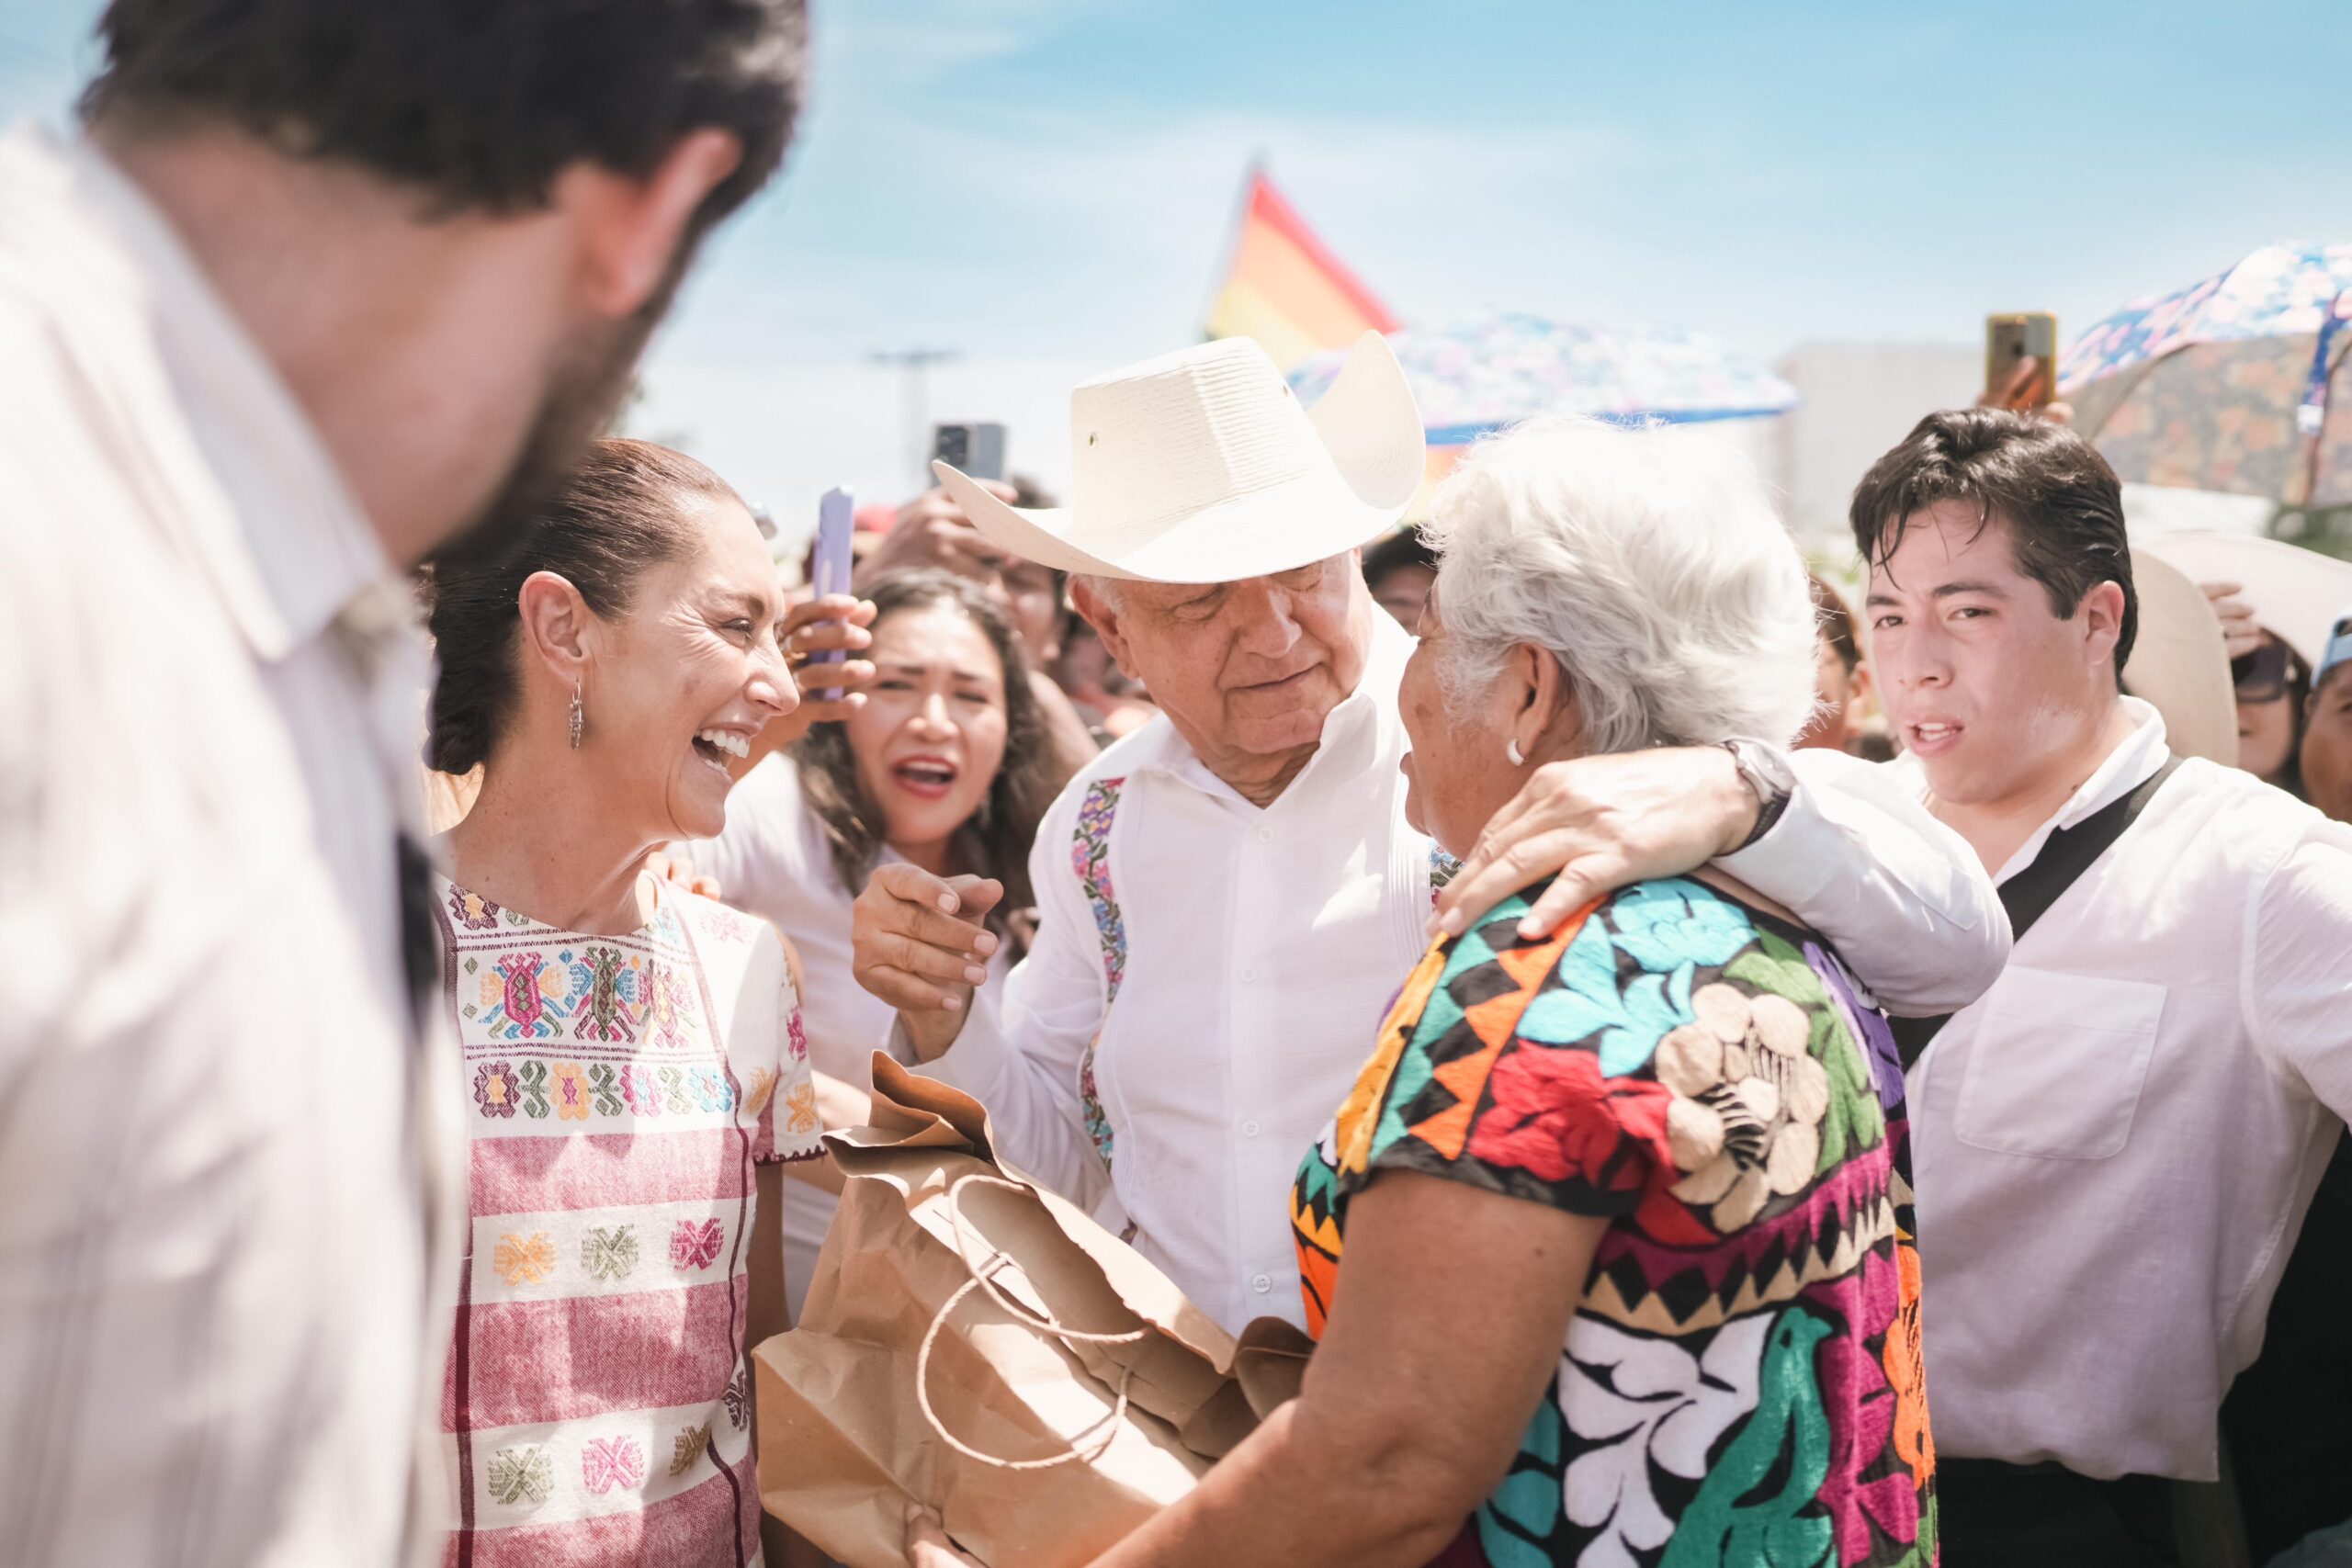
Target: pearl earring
{"type": "Point", "coordinates": [579, 715]}
{"type": "Point", "coordinates": [1518, 758]}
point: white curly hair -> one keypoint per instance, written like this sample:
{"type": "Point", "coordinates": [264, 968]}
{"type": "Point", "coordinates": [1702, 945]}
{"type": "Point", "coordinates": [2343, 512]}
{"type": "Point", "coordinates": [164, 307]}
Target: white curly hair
{"type": "Point", "coordinates": [1648, 561]}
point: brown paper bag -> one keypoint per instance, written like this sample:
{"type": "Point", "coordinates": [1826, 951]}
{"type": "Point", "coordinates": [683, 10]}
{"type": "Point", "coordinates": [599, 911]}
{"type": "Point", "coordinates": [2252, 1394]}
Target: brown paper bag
{"type": "Point", "coordinates": [1066, 1392]}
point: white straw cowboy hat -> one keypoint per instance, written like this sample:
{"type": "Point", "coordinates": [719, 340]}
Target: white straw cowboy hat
{"type": "Point", "coordinates": [2295, 594]}
{"type": "Point", "coordinates": [2178, 666]}
{"type": "Point", "coordinates": [1203, 466]}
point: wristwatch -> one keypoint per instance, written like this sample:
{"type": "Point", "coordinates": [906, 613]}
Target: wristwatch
{"type": "Point", "coordinates": [1766, 772]}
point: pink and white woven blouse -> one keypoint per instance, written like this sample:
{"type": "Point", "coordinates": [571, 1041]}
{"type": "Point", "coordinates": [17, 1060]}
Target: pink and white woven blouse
{"type": "Point", "coordinates": [620, 1091]}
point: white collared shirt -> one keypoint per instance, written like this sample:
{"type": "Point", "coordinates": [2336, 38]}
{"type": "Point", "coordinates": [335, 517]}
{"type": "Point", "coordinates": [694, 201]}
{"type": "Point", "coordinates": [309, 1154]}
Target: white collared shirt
{"type": "Point", "coordinates": [1256, 948]}
{"type": "Point", "coordinates": [213, 1288]}
{"type": "Point", "coordinates": [2115, 1146]}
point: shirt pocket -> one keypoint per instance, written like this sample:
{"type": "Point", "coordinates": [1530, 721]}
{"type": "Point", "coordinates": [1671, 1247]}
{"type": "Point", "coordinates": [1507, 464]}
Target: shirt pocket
{"type": "Point", "coordinates": [2057, 1066]}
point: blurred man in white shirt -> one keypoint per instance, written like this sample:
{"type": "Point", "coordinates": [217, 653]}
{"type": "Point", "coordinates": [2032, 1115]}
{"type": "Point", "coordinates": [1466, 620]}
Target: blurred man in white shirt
{"type": "Point", "coordinates": [321, 288]}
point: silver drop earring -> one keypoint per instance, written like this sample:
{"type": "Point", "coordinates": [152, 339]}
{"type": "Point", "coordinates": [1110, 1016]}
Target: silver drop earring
{"type": "Point", "coordinates": [579, 715]}
{"type": "Point", "coordinates": [1518, 758]}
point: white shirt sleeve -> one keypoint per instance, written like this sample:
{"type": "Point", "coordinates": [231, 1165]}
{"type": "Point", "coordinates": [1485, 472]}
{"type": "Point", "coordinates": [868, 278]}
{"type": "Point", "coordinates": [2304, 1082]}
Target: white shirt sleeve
{"type": "Point", "coordinates": [1020, 1057]}
{"type": "Point", "coordinates": [2298, 986]}
{"type": "Point", "coordinates": [1902, 897]}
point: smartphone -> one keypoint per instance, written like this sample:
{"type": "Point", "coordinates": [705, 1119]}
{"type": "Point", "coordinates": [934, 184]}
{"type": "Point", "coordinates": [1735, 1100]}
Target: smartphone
{"type": "Point", "coordinates": [836, 516]}
{"type": "Point", "coordinates": [2011, 340]}
{"type": "Point", "coordinates": [974, 449]}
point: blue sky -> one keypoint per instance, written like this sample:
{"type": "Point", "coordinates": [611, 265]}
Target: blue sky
{"type": "Point", "coordinates": [1046, 185]}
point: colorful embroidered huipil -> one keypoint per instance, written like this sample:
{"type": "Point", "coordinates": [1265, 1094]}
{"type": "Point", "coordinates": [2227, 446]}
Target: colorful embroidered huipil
{"type": "Point", "coordinates": [1742, 1381]}
{"type": "Point", "coordinates": [621, 1089]}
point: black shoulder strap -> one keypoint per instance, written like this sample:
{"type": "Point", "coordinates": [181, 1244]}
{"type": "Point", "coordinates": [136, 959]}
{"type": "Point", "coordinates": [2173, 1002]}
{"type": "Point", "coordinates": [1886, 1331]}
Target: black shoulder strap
{"type": "Point", "coordinates": [2065, 855]}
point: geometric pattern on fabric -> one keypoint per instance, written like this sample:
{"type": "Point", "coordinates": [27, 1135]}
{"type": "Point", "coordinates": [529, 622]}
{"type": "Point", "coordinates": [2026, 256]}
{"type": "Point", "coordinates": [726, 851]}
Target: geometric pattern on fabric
{"type": "Point", "coordinates": [1090, 857]}
{"type": "Point", "coordinates": [620, 1091]}
{"type": "Point", "coordinates": [1743, 1380]}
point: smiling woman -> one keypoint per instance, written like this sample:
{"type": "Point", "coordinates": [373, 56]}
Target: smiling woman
{"type": "Point", "coordinates": [633, 1069]}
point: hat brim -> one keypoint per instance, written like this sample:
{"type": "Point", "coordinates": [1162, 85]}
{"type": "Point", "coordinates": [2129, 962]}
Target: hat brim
{"type": "Point", "coordinates": [1370, 434]}
{"type": "Point", "coordinates": [2178, 665]}
{"type": "Point", "coordinates": [2295, 594]}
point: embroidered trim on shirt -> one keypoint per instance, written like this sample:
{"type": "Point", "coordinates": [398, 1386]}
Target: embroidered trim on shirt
{"type": "Point", "coordinates": [1090, 857]}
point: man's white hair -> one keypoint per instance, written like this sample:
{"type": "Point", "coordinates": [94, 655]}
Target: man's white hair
{"type": "Point", "coordinates": [1649, 562]}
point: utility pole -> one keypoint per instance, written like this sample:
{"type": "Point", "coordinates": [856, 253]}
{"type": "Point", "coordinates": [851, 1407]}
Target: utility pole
{"type": "Point", "coordinates": [915, 367]}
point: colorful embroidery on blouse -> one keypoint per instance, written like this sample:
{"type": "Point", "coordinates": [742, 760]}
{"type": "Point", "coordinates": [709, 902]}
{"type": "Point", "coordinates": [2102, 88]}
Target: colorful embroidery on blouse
{"type": "Point", "coordinates": [1742, 1379]}
{"type": "Point", "coordinates": [1091, 859]}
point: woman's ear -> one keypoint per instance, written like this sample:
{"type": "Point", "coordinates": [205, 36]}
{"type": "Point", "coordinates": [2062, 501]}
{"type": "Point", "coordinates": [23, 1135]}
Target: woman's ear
{"type": "Point", "coordinates": [558, 625]}
{"type": "Point", "coordinates": [1544, 703]}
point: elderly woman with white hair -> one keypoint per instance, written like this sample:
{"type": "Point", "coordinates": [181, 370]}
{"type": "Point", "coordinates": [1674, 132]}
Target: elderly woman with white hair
{"type": "Point", "coordinates": [1628, 1275]}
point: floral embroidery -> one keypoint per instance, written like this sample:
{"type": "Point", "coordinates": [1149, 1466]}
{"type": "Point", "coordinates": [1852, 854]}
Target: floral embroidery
{"type": "Point", "coordinates": [609, 1253]}
{"type": "Point", "coordinates": [673, 1091]}
{"type": "Point", "coordinates": [473, 912]}
{"type": "Point", "coordinates": [607, 1084]}
{"type": "Point", "coordinates": [666, 1006]}
{"type": "Point", "coordinates": [796, 1034]}
{"type": "Point", "coordinates": [694, 1247]}
{"type": "Point", "coordinates": [1091, 859]}
{"type": "Point", "coordinates": [522, 1260]}
{"type": "Point", "coordinates": [800, 1109]}
{"type": "Point", "coordinates": [1742, 1381]}
{"type": "Point", "coordinates": [569, 1087]}
{"type": "Point", "coordinates": [610, 1013]}
{"type": "Point", "coordinates": [738, 1399]}
{"type": "Point", "coordinates": [607, 1462]}
{"type": "Point", "coordinates": [640, 1090]}
{"type": "Point", "coordinates": [1748, 1099]}
{"type": "Point", "coordinates": [1664, 1409]}
{"type": "Point", "coordinates": [755, 1097]}
{"type": "Point", "coordinates": [688, 1448]}
{"type": "Point", "coordinates": [532, 1078]}
{"type": "Point", "coordinates": [711, 1090]}
{"type": "Point", "coordinates": [520, 1474]}
{"type": "Point", "coordinates": [494, 1089]}
{"type": "Point", "coordinates": [522, 998]}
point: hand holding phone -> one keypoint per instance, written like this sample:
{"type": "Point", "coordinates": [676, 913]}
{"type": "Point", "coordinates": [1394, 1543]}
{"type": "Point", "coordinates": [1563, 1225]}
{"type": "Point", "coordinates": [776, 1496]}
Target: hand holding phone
{"type": "Point", "coordinates": [2021, 360]}
{"type": "Point", "coordinates": [836, 515]}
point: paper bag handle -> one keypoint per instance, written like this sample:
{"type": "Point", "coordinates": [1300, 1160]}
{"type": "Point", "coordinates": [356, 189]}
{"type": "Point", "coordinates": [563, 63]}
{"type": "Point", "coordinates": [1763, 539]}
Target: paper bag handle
{"type": "Point", "coordinates": [983, 1278]}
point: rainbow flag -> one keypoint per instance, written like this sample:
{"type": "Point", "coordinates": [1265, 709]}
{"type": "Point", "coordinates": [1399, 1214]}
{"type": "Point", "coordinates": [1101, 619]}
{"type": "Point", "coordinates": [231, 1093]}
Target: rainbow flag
{"type": "Point", "coordinates": [1285, 289]}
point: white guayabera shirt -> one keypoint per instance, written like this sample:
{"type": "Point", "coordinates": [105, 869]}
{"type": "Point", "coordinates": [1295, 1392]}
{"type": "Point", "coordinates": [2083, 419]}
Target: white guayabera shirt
{"type": "Point", "coordinates": [1208, 975]}
{"type": "Point", "coordinates": [213, 1286]}
{"type": "Point", "coordinates": [2114, 1148]}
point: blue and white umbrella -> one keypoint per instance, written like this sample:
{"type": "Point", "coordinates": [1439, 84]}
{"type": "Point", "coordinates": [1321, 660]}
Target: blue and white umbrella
{"type": "Point", "coordinates": [1494, 370]}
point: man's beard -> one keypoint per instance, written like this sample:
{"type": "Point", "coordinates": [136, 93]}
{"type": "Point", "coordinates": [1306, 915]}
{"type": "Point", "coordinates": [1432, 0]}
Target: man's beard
{"type": "Point", "coordinates": [584, 387]}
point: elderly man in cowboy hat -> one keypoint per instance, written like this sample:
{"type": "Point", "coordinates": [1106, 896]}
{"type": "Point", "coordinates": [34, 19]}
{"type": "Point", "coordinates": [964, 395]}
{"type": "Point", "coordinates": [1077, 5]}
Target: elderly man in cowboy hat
{"type": "Point", "coordinates": [1228, 896]}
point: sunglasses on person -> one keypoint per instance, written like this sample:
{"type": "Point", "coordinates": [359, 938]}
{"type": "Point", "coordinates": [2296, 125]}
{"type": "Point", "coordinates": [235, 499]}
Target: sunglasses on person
{"type": "Point", "coordinates": [2265, 674]}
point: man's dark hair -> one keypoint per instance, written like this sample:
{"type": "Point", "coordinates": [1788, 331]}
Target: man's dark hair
{"type": "Point", "coordinates": [479, 103]}
{"type": "Point", "coordinates": [1399, 550]}
{"type": "Point", "coordinates": [2061, 501]}
{"type": "Point", "coordinates": [1835, 624]}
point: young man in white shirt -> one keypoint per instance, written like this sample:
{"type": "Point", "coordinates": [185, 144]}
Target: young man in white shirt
{"type": "Point", "coordinates": [1229, 897]}
{"type": "Point", "coordinates": [322, 285]}
{"type": "Point", "coordinates": [2115, 1146]}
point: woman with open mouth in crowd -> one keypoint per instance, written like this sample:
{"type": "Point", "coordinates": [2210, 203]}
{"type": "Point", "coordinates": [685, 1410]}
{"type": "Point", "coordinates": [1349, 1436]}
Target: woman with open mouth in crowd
{"type": "Point", "coordinates": [948, 765]}
{"type": "Point", "coordinates": [634, 1067]}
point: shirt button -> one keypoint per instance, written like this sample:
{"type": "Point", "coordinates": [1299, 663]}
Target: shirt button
{"type": "Point", "coordinates": [1265, 835]}
{"type": "Point", "coordinates": [1249, 977]}
{"type": "Point", "coordinates": [1262, 1283]}
{"type": "Point", "coordinates": [1249, 1128]}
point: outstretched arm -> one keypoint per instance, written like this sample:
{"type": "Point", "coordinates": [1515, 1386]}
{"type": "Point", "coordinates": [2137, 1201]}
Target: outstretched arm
{"type": "Point", "coordinates": [1855, 856]}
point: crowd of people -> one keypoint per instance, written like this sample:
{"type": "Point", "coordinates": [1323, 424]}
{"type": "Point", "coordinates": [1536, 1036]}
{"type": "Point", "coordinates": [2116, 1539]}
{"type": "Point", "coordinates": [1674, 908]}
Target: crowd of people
{"type": "Point", "coordinates": [1725, 1073]}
